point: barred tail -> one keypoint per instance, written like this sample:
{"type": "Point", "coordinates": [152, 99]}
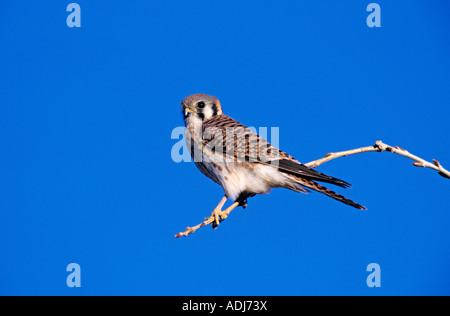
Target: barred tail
{"type": "Point", "coordinates": [320, 188]}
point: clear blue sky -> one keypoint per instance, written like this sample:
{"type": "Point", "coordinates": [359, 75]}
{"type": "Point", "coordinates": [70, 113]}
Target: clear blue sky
{"type": "Point", "coordinates": [87, 177]}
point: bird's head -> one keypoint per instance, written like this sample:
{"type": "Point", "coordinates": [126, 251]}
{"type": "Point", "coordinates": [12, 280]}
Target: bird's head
{"type": "Point", "coordinates": [200, 107]}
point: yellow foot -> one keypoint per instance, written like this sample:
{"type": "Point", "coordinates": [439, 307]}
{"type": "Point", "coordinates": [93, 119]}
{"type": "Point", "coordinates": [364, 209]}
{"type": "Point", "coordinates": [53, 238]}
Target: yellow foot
{"type": "Point", "coordinates": [218, 216]}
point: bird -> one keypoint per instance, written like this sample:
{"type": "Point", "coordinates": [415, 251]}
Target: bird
{"type": "Point", "coordinates": [243, 163]}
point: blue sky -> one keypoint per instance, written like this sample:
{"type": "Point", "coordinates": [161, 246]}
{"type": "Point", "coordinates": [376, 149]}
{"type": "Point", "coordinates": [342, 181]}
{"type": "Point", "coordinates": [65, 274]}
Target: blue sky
{"type": "Point", "coordinates": [86, 118]}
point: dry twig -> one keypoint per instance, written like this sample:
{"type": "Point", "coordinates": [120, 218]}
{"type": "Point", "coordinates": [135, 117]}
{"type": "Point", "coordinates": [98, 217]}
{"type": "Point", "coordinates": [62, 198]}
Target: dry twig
{"type": "Point", "coordinates": [380, 147]}
{"type": "Point", "coordinates": [218, 215]}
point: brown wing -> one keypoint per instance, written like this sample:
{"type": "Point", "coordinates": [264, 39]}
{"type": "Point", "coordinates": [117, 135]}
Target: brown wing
{"type": "Point", "coordinates": [224, 134]}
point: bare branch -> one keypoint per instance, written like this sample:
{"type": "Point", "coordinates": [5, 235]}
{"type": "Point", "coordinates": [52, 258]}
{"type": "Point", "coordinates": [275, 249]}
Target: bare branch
{"type": "Point", "coordinates": [215, 219]}
{"type": "Point", "coordinates": [380, 147]}
{"type": "Point", "coordinates": [331, 156]}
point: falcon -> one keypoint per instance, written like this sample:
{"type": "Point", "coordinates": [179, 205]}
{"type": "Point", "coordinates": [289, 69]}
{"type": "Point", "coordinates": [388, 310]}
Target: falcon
{"type": "Point", "coordinates": [241, 162]}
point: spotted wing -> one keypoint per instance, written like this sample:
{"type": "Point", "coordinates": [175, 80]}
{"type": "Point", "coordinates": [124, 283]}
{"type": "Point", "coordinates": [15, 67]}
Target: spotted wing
{"type": "Point", "coordinates": [233, 139]}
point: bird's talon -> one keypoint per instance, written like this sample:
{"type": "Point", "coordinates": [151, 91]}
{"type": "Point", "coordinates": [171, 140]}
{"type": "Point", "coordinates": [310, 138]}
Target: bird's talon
{"type": "Point", "coordinates": [217, 218]}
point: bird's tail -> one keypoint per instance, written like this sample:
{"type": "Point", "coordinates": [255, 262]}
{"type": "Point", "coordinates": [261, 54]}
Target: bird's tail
{"type": "Point", "coordinates": [320, 188]}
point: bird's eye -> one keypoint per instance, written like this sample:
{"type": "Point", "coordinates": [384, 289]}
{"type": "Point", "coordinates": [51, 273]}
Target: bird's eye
{"type": "Point", "coordinates": [201, 105]}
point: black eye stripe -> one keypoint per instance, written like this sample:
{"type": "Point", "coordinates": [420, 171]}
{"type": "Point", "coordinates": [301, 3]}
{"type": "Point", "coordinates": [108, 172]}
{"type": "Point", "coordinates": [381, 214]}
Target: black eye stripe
{"type": "Point", "coordinates": [214, 108]}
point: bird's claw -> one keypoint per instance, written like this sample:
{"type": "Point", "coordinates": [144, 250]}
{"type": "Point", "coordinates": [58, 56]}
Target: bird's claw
{"type": "Point", "coordinates": [218, 217]}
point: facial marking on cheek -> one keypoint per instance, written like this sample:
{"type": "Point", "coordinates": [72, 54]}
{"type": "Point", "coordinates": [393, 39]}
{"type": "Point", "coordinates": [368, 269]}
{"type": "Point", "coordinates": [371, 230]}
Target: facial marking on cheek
{"type": "Point", "coordinates": [214, 108]}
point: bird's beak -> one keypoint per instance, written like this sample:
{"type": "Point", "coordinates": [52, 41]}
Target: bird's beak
{"type": "Point", "coordinates": [187, 111]}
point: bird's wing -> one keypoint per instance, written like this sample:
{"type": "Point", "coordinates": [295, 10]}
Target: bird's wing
{"type": "Point", "coordinates": [234, 140]}
{"type": "Point", "coordinates": [295, 168]}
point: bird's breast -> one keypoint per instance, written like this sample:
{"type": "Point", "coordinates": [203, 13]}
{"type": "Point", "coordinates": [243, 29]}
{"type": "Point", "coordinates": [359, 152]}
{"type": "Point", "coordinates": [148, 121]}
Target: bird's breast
{"type": "Point", "coordinates": [238, 177]}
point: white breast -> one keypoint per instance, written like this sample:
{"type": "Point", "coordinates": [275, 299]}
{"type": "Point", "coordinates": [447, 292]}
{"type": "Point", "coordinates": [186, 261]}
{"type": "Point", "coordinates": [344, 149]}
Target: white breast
{"type": "Point", "coordinates": [237, 177]}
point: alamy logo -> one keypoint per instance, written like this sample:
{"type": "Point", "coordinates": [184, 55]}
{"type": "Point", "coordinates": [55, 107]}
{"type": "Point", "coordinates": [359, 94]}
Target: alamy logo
{"type": "Point", "coordinates": [238, 143]}
{"type": "Point", "coordinates": [374, 18]}
{"type": "Point", "coordinates": [74, 18]}
{"type": "Point", "coordinates": [374, 278]}
{"type": "Point", "coordinates": [74, 278]}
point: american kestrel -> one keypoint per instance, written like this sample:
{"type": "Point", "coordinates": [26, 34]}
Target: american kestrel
{"type": "Point", "coordinates": [242, 162]}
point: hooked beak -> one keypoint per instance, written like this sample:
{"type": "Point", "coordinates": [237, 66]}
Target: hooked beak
{"type": "Point", "coordinates": [187, 111]}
